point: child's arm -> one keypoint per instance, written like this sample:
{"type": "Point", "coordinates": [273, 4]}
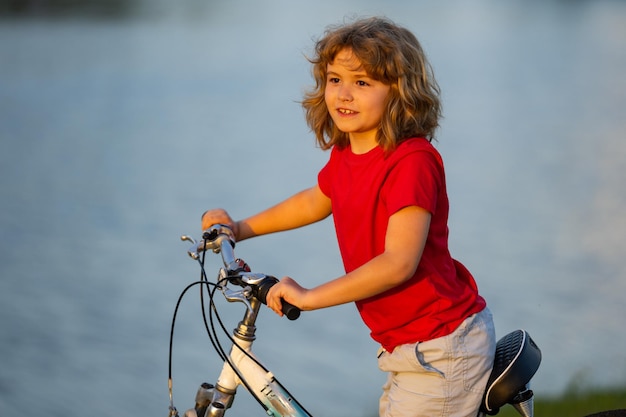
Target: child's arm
{"type": "Point", "coordinates": [404, 243]}
{"type": "Point", "coordinates": [301, 209]}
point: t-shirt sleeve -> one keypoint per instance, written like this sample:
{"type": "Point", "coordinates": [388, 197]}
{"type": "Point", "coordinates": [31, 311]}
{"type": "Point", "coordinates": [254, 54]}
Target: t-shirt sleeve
{"type": "Point", "coordinates": [325, 175]}
{"type": "Point", "coordinates": [415, 180]}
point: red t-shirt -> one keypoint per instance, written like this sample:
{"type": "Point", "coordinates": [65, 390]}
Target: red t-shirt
{"type": "Point", "coordinates": [365, 191]}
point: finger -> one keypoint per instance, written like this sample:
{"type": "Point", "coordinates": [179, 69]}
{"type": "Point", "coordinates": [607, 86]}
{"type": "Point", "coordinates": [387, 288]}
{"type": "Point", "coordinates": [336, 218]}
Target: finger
{"type": "Point", "coordinates": [274, 300]}
{"type": "Point", "coordinates": [214, 216]}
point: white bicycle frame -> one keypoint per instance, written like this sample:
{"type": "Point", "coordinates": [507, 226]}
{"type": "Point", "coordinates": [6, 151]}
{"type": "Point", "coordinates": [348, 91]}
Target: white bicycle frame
{"type": "Point", "coordinates": [259, 381]}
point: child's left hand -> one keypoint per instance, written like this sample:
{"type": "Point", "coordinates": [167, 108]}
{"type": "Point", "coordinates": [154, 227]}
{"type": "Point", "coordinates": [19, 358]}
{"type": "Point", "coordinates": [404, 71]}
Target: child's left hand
{"type": "Point", "coordinates": [286, 289]}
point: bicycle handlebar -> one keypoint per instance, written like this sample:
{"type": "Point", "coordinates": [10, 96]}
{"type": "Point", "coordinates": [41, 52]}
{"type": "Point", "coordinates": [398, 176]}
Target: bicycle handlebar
{"type": "Point", "coordinates": [292, 312]}
{"type": "Point", "coordinates": [219, 238]}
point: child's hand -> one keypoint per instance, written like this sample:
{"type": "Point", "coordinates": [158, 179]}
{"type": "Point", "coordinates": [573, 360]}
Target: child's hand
{"type": "Point", "coordinates": [219, 216]}
{"type": "Point", "coordinates": [287, 289]}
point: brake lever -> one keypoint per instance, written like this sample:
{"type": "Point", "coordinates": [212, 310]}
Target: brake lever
{"type": "Point", "coordinates": [241, 296]}
{"type": "Point", "coordinates": [188, 239]}
{"type": "Point", "coordinates": [213, 239]}
{"type": "Point", "coordinates": [193, 250]}
{"type": "Point", "coordinates": [197, 247]}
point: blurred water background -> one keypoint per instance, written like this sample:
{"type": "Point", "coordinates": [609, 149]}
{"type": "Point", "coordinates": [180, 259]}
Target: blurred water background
{"type": "Point", "coordinates": [122, 121]}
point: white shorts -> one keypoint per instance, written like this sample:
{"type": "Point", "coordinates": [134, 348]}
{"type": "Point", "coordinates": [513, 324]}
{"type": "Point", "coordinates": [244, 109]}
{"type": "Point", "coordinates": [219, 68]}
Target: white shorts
{"type": "Point", "coordinates": [443, 377]}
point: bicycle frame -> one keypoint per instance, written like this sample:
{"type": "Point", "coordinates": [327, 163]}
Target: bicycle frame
{"type": "Point", "coordinates": [262, 384]}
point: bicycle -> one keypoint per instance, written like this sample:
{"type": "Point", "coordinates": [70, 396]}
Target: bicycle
{"type": "Point", "coordinates": [516, 361]}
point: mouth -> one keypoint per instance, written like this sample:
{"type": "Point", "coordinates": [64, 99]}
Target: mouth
{"type": "Point", "coordinates": [346, 111]}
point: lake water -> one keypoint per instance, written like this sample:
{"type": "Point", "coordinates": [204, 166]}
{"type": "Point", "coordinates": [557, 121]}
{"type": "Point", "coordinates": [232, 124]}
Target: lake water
{"type": "Point", "coordinates": [115, 135]}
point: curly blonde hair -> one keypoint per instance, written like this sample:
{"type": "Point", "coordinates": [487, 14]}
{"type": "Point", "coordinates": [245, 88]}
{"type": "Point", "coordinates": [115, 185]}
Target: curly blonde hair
{"type": "Point", "coordinates": [392, 55]}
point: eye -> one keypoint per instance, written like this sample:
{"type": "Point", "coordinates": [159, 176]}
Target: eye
{"type": "Point", "coordinates": [333, 80]}
{"type": "Point", "coordinates": [362, 83]}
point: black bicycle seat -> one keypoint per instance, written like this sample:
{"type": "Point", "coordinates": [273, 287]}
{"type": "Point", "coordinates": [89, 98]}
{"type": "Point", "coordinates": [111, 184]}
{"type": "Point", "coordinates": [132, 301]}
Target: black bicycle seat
{"type": "Point", "coordinates": [516, 360]}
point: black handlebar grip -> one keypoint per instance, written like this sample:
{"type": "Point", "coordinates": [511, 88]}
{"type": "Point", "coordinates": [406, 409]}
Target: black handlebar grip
{"type": "Point", "coordinates": [292, 312]}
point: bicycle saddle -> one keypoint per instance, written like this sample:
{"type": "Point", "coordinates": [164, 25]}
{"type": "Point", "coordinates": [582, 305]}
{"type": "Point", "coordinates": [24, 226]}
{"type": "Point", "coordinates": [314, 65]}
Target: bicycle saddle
{"type": "Point", "coordinates": [516, 360]}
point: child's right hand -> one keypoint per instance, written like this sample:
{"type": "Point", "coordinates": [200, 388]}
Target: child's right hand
{"type": "Point", "coordinates": [219, 216]}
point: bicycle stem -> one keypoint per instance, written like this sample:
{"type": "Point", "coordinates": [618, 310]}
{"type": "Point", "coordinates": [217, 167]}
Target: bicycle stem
{"type": "Point", "coordinates": [221, 396]}
{"type": "Point", "coordinates": [246, 328]}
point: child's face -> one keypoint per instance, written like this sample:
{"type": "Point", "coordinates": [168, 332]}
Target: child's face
{"type": "Point", "coordinates": [356, 102]}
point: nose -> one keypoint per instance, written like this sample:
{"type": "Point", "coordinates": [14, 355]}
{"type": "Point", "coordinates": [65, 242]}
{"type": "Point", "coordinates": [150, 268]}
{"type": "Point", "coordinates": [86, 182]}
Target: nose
{"type": "Point", "coordinates": [345, 93]}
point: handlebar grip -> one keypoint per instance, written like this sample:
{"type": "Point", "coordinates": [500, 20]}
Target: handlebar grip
{"type": "Point", "coordinates": [292, 312]}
